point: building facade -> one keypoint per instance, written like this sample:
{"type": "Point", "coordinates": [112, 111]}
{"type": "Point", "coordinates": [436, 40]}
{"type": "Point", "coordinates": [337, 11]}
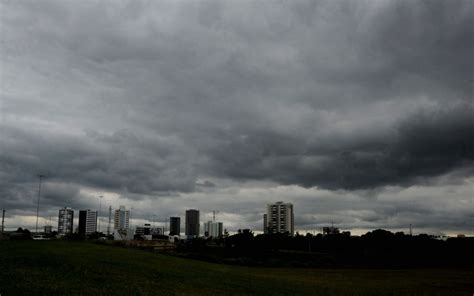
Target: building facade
{"type": "Point", "coordinates": [280, 218]}
{"type": "Point", "coordinates": [175, 226]}
{"type": "Point", "coordinates": [213, 229]}
{"type": "Point", "coordinates": [65, 221]}
{"type": "Point", "coordinates": [121, 218]}
{"type": "Point", "coordinates": [192, 223]}
{"type": "Point", "coordinates": [143, 230]}
{"type": "Point", "coordinates": [87, 222]}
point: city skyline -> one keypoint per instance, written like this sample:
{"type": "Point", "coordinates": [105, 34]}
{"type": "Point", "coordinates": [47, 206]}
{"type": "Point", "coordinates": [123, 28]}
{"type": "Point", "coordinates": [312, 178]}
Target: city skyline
{"type": "Point", "coordinates": [279, 212]}
{"type": "Point", "coordinates": [360, 114]}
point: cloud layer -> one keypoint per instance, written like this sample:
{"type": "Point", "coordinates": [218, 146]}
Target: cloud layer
{"type": "Point", "coordinates": [166, 102]}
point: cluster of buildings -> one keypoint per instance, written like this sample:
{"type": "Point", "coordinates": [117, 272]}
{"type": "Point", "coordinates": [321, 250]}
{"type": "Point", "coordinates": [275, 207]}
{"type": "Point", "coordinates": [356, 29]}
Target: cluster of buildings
{"type": "Point", "coordinates": [279, 218]}
{"type": "Point", "coordinates": [87, 224]}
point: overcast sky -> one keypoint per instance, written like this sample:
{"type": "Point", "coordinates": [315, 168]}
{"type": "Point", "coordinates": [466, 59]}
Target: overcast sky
{"type": "Point", "coordinates": [360, 113]}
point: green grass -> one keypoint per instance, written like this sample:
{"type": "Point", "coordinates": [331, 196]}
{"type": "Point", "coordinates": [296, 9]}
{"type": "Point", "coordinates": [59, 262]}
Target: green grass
{"type": "Point", "coordinates": [74, 268]}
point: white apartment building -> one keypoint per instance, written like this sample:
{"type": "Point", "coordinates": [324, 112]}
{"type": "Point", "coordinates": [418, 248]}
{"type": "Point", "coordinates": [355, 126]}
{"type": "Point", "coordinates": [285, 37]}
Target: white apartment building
{"type": "Point", "coordinates": [279, 218]}
{"type": "Point", "coordinates": [213, 229]}
{"type": "Point", "coordinates": [65, 221]}
{"type": "Point", "coordinates": [121, 218]}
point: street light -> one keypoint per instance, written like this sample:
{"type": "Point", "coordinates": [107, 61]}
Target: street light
{"type": "Point", "coordinates": [38, 203]}
{"type": "Point", "coordinates": [100, 209]}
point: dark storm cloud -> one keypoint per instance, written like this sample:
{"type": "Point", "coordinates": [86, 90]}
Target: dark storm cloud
{"type": "Point", "coordinates": [426, 143]}
{"type": "Point", "coordinates": [121, 161]}
{"type": "Point", "coordinates": [157, 99]}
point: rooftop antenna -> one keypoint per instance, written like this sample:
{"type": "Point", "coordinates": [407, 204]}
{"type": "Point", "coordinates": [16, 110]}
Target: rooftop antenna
{"type": "Point", "coordinates": [214, 215]}
{"type": "Point", "coordinates": [38, 203]}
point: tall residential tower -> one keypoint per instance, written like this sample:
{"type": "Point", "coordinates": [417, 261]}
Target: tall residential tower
{"type": "Point", "coordinates": [121, 218]}
{"type": "Point", "coordinates": [87, 222]}
{"type": "Point", "coordinates": [279, 218]}
{"type": "Point", "coordinates": [65, 221]}
{"type": "Point", "coordinates": [175, 226]}
{"type": "Point", "coordinates": [192, 224]}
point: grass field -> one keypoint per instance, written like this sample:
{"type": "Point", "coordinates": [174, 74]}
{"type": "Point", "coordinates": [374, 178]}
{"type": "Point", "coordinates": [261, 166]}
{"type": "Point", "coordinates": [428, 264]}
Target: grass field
{"type": "Point", "coordinates": [75, 268]}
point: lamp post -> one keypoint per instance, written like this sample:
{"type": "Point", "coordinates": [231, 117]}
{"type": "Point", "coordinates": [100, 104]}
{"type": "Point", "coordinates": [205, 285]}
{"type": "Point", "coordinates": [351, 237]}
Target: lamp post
{"type": "Point", "coordinates": [38, 202]}
{"type": "Point", "coordinates": [100, 210]}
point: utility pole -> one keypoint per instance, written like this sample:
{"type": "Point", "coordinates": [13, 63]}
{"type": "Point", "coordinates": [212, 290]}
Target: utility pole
{"type": "Point", "coordinates": [38, 203]}
{"type": "Point", "coordinates": [110, 219]}
{"type": "Point", "coordinates": [100, 209]}
{"type": "Point", "coordinates": [3, 220]}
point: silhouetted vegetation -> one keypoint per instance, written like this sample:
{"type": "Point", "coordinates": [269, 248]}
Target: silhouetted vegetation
{"type": "Point", "coordinates": [379, 248]}
{"type": "Point", "coordinates": [20, 234]}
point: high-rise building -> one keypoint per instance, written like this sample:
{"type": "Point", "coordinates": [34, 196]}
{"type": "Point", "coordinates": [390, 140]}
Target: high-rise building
{"type": "Point", "coordinates": [175, 226]}
{"type": "Point", "coordinates": [280, 218]}
{"type": "Point", "coordinates": [265, 223]}
{"type": "Point", "coordinates": [213, 229]}
{"type": "Point", "coordinates": [65, 221]}
{"type": "Point", "coordinates": [87, 222]}
{"type": "Point", "coordinates": [121, 218]}
{"type": "Point", "coordinates": [192, 223]}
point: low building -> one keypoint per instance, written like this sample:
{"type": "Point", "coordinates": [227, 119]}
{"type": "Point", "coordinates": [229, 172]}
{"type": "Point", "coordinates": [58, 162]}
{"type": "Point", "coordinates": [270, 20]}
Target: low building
{"type": "Point", "coordinates": [157, 231]}
{"type": "Point", "coordinates": [146, 232]}
{"type": "Point", "coordinates": [331, 230]}
{"type": "Point", "coordinates": [143, 230]}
